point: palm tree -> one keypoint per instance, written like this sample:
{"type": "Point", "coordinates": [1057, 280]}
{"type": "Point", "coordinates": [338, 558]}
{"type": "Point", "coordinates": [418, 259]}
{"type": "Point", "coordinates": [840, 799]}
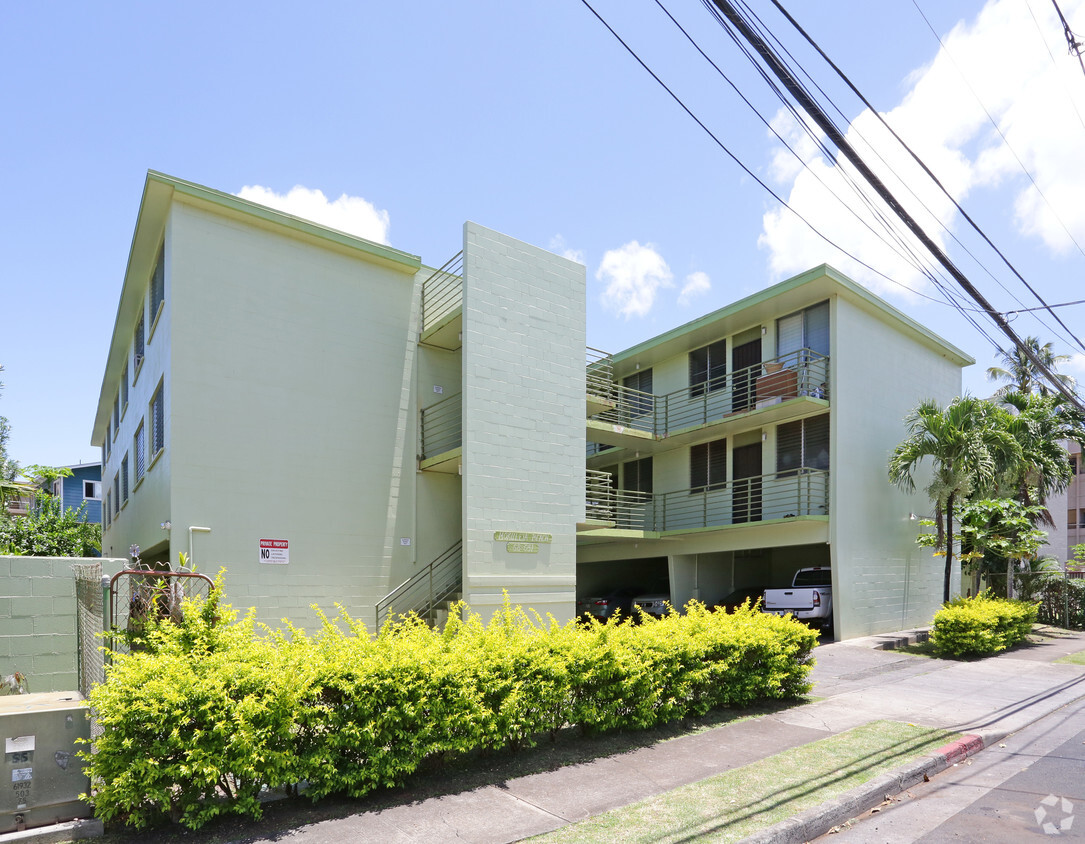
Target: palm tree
{"type": "Point", "coordinates": [1022, 375]}
{"type": "Point", "coordinates": [970, 451]}
{"type": "Point", "coordinates": [1040, 424]}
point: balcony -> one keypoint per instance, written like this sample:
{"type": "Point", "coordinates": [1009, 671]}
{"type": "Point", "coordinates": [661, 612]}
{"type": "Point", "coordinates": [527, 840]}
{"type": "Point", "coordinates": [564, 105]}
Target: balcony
{"type": "Point", "coordinates": [773, 497]}
{"type": "Point", "coordinates": [441, 435]}
{"type": "Point", "coordinates": [442, 306]}
{"type": "Point", "coordinates": [778, 390]}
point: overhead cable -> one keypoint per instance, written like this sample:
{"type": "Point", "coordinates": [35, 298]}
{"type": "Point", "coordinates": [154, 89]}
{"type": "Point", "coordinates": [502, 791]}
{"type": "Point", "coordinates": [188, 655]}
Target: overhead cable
{"type": "Point", "coordinates": [777, 67]}
{"type": "Point", "coordinates": [847, 81]}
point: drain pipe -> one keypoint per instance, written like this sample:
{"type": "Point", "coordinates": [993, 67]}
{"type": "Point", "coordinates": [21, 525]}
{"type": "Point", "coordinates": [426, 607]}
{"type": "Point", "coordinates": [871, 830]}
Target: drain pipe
{"type": "Point", "coordinates": [191, 530]}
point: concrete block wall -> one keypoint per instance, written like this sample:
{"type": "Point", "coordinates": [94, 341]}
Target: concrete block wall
{"type": "Point", "coordinates": [523, 377]}
{"type": "Point", "coordinates": [38, 619]}
{"type": "Point", "coordinates": [884, 580]}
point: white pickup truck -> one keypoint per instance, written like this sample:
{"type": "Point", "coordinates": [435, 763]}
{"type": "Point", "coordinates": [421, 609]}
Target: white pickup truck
{"type": "Point", "coordinates": [809, 599]}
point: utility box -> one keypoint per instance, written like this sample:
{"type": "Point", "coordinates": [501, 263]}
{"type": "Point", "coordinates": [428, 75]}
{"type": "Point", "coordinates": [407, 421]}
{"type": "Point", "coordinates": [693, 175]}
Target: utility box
{"type": "Point", "coordinates": [42, 776]}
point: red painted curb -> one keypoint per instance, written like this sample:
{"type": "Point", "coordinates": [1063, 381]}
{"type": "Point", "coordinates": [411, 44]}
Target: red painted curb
{"type": "Point", "coordinates": [960, 749]}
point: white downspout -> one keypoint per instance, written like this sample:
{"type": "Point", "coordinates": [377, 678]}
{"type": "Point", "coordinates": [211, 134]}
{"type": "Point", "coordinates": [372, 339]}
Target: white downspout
{"type": "Point", "coordinates": [191, 529]}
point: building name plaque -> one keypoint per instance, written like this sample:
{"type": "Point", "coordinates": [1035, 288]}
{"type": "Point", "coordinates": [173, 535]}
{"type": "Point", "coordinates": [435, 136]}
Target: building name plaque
{"type": "Point", "coordinates": [517, 536]}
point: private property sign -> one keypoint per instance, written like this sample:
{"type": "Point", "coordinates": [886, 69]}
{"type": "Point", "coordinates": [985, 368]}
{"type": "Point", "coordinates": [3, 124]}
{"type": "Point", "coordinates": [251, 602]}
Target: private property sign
{"type": "Point", "coordinates": [275, 551]}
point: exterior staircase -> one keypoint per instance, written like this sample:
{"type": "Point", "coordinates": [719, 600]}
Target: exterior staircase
{"type": "Point", "coordinates": [429, 592]}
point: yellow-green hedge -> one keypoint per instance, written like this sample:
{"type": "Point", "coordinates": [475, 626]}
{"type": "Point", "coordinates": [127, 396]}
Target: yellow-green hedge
{"type": "Point", "coordinates": [981, 625]}
{"type": "Point", "coordinates": [211, 712]}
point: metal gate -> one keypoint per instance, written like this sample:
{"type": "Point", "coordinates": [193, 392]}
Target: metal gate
{"type": "Point", "coordinates": [138, 594]}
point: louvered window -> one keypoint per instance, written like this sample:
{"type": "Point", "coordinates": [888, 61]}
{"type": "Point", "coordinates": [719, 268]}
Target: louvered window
{"type": "Point", "coordinates": [708, 466]}
{"type": "Point", "coordinates": [641, 381]}
{"type": "Point", "coordinates": [141, 451]}
{"type": "Point", "coordinates": [708, 368]}
{"type": "Point", "coordinates": [805, 329]}
{"type": "Point", "coordinates": [158, 421]}
{"type": "Point", "coordinates": [124, 387]}
{"type": "Point", "coordinates": [116, 494]}
{"type": "Point", "coordinates": [158, 283]}
{"type": "Point", "coordinates": [124, 478]}
{"type": "Point", "coordinates": [637, 475]}
{"type": "Point", "coordinates": [802, 445]}
{"type": "Point", "coordinates": [138, 349]}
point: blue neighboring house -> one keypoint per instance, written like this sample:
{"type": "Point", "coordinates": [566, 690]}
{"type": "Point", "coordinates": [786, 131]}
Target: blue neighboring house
{"type": "Point", "coordinates": [83, 487]}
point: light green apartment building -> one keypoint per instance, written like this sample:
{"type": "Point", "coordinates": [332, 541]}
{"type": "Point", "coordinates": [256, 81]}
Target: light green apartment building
{"type": "Point", "coordinates": [332, 421]}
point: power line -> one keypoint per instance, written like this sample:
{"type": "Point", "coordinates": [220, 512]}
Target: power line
{"type": "Point", "coordinates": [814, 110]}
{"type": "Point", "coordinates": [902, 248]}
{"type": "Point", "coordinates": [738, 161]}
{"type": "Point", "coordinates": [996, 127]}
{"type": "Point", "coordinates": [894, 204]}
{"type": "Point", "coordinates": [1075, 45]}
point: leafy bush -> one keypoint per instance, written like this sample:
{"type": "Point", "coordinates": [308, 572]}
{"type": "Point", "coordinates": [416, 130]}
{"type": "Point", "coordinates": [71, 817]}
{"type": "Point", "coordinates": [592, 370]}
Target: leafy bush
{"type": "Point", "coordinates": [210, 712]}
{"type": "Point", "coordinates": [981, 625]}
{"type": "Point", "coordinates": [1061, 601]}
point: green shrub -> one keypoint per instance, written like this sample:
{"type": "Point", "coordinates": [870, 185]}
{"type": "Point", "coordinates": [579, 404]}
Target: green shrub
{"type": "Point", "coordinates": [213, 710]}
{"type": "Point", "coordinates": [981, 625]}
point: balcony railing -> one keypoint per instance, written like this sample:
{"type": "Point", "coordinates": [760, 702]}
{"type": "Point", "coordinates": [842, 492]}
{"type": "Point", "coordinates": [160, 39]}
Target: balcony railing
{"type": "Point", "coordinates": [442, 426]}
{"type": "Point", "coordinates": [621, 507]}
{"type": "Point", "coordinates": [801, 373]}
{"type": "Point", "coordinates": [600, 374]}
{"type": "Point", "coordinates": [784, 495]}
{"type": "Point", "coordinates": [442, 292]}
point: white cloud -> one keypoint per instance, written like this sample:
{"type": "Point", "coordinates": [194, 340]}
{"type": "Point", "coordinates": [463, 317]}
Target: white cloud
{"type": "Point", "coordinates": [350, 214]}
{"type": "Point", "coordinates": [1075, 367]}
{"type": "Point", "coordinates": [1025, 92]}
{"type": "Point", "coordinates": [560, 247]}
{"type": "Point", "coordinates": [697, 284]}
{"type": "Point", "coordinates": [633, 274]}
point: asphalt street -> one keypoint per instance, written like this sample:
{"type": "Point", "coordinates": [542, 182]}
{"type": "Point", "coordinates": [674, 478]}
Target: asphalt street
{"type": "Point", "coordinates": [1028, 787]}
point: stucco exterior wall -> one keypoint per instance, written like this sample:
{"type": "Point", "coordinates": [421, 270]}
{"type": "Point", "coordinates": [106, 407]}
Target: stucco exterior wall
{"type": "Point", "coordinates": [884, 581]}
{"type": "Point", "coordinates": [138, 519]}
{"type": "Point", "coordinates": [523, 421]}
{"type": "Point", "coordinates": [290, 414]}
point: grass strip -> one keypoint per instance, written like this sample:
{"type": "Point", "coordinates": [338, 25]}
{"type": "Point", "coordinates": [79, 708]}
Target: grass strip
{"type": "Point", "coordinates": [733, 805]}
{"type": "Point", "coordinates": [1073, 659]}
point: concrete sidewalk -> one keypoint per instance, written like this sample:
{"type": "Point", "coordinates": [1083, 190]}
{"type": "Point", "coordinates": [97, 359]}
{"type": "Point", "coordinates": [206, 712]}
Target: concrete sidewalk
{"type": "Point", "coordinates": [857, 683]}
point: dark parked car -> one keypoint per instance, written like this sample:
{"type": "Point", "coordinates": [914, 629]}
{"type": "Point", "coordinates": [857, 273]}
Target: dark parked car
{"type": "Point", "coordinates": [737, 598]}
{"type": "Point", "coordinates": [605, 605]}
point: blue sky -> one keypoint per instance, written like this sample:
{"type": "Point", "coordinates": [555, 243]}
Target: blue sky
{"type": "Point", "coordinates": [532, 119]}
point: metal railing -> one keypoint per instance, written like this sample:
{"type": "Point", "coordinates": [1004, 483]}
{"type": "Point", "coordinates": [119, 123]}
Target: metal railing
{"type": "Point", "coordinates": [801, 373]}
{"type": "Point", "coordinates": [441, 426]}
{"type": "Point", "coordinates": [600, 369]}
{"type": "Point", "coordinates": [442, 292]}
{"type": "Point", "coordinates": [424, 592]}
{"type": "Point", "coordinates": [783, 495]}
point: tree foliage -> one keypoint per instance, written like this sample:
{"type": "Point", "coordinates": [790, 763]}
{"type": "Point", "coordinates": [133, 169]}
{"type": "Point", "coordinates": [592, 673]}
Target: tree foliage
{"type": "Point", "coordinates": [1020, 375]}
{"type": "Point", "coordinates": [49, 529]}
{"type": "Point", "coordinates": [969, 451]}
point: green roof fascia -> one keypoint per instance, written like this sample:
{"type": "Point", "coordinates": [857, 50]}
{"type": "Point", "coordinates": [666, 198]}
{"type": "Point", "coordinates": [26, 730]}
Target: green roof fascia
{"type": "Point", "coordinates": [398, 259]}
{"type": "Point", "coordinates": [762, 297]}
{"type": "Point", "coordinates": [158, 191]}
